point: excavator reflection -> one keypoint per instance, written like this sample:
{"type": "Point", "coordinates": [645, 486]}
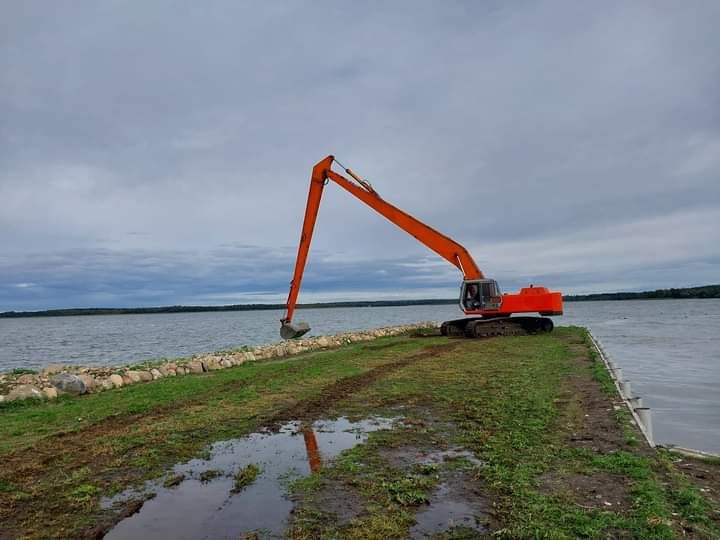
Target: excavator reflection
{"type": "Point", "coordinates": [311, 446]}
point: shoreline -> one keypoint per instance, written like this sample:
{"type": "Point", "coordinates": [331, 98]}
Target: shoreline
{"type": "Point", "coordinates": [55, 380]}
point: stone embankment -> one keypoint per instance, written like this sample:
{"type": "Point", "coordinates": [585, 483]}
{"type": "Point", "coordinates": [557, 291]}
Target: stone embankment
{"type": "Point", "coordinates": [57, 379]}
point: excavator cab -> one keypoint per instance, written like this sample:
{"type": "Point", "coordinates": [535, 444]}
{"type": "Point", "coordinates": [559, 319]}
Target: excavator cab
{"type": "Point", "coordinates": [480, 294]}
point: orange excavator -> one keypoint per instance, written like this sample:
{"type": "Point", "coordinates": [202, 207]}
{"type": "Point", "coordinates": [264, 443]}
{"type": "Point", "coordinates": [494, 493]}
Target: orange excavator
{"type": "Point", "coordinates": [490, 312]}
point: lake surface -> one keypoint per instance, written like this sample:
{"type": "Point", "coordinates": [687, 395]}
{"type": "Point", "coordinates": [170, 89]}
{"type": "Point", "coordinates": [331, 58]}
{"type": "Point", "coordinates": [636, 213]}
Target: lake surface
{"type": "Point", "coordinates": [669, 349]}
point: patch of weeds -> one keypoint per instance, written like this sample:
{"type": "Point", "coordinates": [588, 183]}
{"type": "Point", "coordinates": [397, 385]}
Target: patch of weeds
{"type": "Point", "coordinates": [84, 495]}
{"type": "Point", "coordinates": [622, 416]}
{"type": "Point", "coordinates": [425, 332]}
{"type": "Point", "coordinates": [458, 464]}
{"type": "Point", "coordinates": [306, 484]}
{"type": "Point", "coordinates": [426, 468]}
{"type": "Point", "coordinates": [409, 491]}
{"type": "Point", "coordinates": [210, 474]}
{"type": "Point", "coordinates": [244, 477]}
{"type": "Point", "coordinates": [23, 371]}
{"type": "Point", "coordinates": [625, 464]}
{"type": "Point", "coordinates": [691, 504]}
{"type": "Point", "coordinates": [6, 487]}
{"type": "Point", "coordinates": [311, 523]}
{"type": "Point", "coordinates": [379, 525]}
{"type": "Point", "coordinates": [351, 460]}
{"type": "Point", "coordinates": [13, 491]}
{"type": "Point", "coordinates": [597, 367]}
{"type": "Point", "coordinates": [687, 500]}
{"type": "Point", "coordinates": [173, 480]}
{"type": "Point", "coordinates": [19, 496]}
{"type": "Point", "coordinates": [19, 405]}
{"type": "Point", "coordinates": [708, 460]}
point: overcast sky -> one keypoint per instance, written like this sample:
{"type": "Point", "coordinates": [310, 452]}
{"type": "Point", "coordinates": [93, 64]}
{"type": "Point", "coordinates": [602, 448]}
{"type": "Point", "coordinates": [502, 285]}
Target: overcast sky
{"type": "Point", "coordinates": [159, 152]}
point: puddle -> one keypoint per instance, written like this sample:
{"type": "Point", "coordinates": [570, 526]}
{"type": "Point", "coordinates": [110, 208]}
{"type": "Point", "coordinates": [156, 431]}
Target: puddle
{"type": "Point", "coordinates": [195, 509]}
{"type": "Point", "coordinates": [403, 457]}
{"type": "Point", "coordinates": [451, 505]}
{"type": "Point", "coordinates": [451, 455]}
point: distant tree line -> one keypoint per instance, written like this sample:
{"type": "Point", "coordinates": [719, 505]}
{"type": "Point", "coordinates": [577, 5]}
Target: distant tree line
{"type": "Point", "coordinates": [708, 291]}
{"type": "Point", "coordinates": [199, 309]}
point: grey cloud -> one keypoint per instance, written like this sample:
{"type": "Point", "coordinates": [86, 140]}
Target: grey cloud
{"type": "Point", "coordinates": [176, 128]}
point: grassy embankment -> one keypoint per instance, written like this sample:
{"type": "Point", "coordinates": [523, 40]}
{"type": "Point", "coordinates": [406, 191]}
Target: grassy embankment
{"type": "Point", "coordinates": [557, 459]}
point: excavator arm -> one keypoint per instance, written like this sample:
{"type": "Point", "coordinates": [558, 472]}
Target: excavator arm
{"type": "Point", "coordinates": [447, 248]}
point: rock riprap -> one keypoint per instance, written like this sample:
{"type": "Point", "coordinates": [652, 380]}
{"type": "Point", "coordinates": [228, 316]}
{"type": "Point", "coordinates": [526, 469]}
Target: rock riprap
{"type": "Point", "coordinates": [59, 379]}
{"type": "Point", "coordinates": [69, 383]}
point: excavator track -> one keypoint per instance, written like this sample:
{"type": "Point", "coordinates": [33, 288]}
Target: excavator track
{"type": "Point", "coordinates": [479, 327]}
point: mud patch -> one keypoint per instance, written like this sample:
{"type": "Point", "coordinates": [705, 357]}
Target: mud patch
{"type": "Point", "coordinates": [200, 506]}
{"type": "Point", "coordinates": [590, 491]}
{"type": "Point", "coordinates": [597, 429]}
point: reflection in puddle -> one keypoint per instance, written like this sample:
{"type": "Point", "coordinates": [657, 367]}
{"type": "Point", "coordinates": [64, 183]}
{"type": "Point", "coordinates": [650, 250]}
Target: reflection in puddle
{"type": "Point", "coordinates": [195, 509]}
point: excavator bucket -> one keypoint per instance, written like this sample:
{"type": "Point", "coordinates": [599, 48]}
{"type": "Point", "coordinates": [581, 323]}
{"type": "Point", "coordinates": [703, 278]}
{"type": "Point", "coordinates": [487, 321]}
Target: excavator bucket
{"type": "Point", "coordinates": [291, 331]}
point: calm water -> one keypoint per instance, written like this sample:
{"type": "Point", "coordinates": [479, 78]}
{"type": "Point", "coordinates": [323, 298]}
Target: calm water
{"type": "Point", "coordinates": [669, 349]}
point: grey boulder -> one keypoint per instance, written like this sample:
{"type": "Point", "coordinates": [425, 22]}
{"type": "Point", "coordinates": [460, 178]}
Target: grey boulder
{"type": "Point", "coordinates": [71, 384]}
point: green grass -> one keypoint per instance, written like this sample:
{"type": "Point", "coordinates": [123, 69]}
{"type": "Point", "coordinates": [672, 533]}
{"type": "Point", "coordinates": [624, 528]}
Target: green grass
{"type": "Point", "coordinates": [507, 400]}
{"type": "Point", "coordinates": [409, 490]}
{"type": "Point", "coordinates": [23, 371]}
{"type": "Point", "coordinates": [23, 423]}
{"type": "Point", "coordinates": [502, 396]}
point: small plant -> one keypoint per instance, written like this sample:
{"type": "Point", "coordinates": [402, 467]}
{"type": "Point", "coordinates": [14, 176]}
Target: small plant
{"type": "Point", "coordinates": [245, 476]}
{"type": "Point", "coordinates": [173, 480]}
{"type": "Point", "coordinates": [23, 371]}
{"type": "Point", "coordinates": [6, 487]}
{"type": "Point", "coordinates": [427, 468]}
{"type": "Point", "coordinates": [305, 484]}
{"type": "Point", "coordinates": [84, 495]}
{"type": "Point", "coordinates": [408, 491]}
{"type": "Point", "coordinates": [208, 475]}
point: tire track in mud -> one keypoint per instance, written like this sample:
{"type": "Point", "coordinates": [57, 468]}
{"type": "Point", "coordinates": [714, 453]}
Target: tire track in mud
{"type": "Point", "coordinates": [311, 409]}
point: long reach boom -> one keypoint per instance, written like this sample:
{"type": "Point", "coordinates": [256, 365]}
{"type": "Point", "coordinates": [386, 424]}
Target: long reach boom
{"type": "Point", "coordinates": [479, 296]}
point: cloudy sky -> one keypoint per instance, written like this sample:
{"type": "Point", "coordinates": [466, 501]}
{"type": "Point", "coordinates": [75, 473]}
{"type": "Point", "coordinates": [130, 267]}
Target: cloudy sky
{"type": "Point", "coordinates": [159, 152]}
